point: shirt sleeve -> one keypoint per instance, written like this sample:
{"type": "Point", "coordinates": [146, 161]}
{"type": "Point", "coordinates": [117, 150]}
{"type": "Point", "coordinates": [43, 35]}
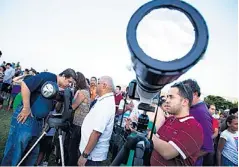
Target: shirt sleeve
{"type": "Point", "coordinates": [34, 82]}
{"type": "Point", "coordinates": [207, 133]}
{"type": "Point", "coordinates": [224, 135]}
{"type": "Point", "coordinates": [187, 141]}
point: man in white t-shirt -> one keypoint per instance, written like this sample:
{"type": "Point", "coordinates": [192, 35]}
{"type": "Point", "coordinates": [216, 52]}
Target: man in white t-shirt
{"type": "Point", "coordinates": [98, 125]}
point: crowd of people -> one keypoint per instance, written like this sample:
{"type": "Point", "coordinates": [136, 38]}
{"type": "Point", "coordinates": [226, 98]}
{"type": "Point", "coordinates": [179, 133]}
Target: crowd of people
{"type": "Point", "coordinates": [187, 130]}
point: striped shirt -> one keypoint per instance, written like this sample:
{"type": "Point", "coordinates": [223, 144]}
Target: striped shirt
{"type": "Point", "coordinates": [185, 135]}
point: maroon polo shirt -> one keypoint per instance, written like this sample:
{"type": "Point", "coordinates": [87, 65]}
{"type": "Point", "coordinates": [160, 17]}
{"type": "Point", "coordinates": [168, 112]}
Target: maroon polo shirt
{"type": "Point", "coordinates": [118, 98]}
{"type": "Point", "coordinates": [185, 135]}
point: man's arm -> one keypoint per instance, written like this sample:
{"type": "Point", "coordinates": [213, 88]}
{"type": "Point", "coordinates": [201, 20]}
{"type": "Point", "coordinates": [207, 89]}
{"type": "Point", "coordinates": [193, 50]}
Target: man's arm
{"type": "Point", "coordinates": [207, 140]}
{"type": "Point", "coordinates": [94, 137]}
{"type": "Point", "coordinates": [26, 110]}
{"type": "Point", "coordinates": [215, 134]}
{"type": "Point", "coordinates": [25, 95]}
{"type": "Point", "coordinates": [166, 150]}
{"type": "Point", "coordinates": [27, 86]}
{"type": "Point", "coordinates": [18, 79]}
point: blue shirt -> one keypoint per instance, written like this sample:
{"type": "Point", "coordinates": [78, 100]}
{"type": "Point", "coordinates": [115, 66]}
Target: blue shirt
{"type": "Point", "coordinates": [40, 106]}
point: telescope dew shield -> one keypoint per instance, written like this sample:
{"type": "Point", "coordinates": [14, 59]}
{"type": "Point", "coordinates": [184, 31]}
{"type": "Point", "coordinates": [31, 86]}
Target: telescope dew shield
{"type": "Point", "coordinates": [151, 74]}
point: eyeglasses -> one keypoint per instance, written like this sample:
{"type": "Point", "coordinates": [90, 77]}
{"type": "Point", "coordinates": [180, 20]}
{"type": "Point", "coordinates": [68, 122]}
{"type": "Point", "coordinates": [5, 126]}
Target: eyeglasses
{"type": "Point", "coordinates": [184, 88]}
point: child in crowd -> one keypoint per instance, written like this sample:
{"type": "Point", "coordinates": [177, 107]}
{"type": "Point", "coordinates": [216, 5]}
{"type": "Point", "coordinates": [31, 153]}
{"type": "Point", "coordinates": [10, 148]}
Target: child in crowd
{"type": "Point", "coordinates": [227, 151]}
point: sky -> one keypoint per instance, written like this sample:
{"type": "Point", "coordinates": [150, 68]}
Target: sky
{"type": "Point", "coordinates": [90, 37]}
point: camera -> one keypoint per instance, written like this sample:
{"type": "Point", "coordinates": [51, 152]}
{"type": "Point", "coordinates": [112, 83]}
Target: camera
{"type": "Point", "coordinates": [152, 75]}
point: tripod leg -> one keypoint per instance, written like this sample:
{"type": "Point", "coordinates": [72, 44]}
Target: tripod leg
{"type": "Point", "coordinates": [61, 147]}
{"type": "Point", "coordinates": [42, 135]}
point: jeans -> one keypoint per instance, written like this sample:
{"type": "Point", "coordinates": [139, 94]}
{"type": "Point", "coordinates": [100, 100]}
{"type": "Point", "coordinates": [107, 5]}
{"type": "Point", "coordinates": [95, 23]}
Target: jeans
{"type": "Point", "coordinates": [20, 139]}
{"type": "Point", "coordinates": [227, 162]}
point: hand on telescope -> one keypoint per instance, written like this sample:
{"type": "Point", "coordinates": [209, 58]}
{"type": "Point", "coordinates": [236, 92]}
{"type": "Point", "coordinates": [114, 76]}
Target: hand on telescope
{"type": "Point", "coordinates": [22, 116]}
{"type": "Point", "coordinates": [128, 125]}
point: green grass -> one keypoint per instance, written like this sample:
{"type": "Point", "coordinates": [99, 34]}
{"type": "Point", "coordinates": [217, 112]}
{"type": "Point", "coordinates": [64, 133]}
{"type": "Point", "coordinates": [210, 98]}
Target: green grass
{"type": "Point", "coordinates": [5, 118]}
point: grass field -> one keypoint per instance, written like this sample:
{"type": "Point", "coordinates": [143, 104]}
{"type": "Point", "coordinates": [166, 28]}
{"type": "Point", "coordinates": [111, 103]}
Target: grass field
{"type": "Point", "coordinates": [5, 118]}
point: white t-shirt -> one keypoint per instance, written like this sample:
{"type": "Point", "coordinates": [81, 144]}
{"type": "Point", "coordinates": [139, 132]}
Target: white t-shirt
{"type": "Point", "coordinates": [230, 150]}
{"type": "Point", "coordinates": [100, 119]}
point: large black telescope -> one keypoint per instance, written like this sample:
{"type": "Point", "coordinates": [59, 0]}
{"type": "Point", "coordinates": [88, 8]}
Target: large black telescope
{"type": "Point", "coordinates": [152, 74]}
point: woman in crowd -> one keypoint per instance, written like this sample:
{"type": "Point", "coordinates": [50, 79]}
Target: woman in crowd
{"type": "Point", "coordinates": [81, 104]}
{"type": "Point", "coordinates": [227, 151]}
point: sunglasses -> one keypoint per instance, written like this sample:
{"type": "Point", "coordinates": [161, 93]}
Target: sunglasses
{"type": "Point", "coordinates": [184, 88]}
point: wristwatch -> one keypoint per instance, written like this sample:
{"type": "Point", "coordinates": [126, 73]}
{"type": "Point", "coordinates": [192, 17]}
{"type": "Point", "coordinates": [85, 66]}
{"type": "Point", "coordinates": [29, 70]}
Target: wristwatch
{"type": "Point", "coordinates": [84, 155]}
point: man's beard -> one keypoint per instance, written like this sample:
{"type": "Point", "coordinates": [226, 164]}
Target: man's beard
{"type": "Point", "coordinates": [174, 111]}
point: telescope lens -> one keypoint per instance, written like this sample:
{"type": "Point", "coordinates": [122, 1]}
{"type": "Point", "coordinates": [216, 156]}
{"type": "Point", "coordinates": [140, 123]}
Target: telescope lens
{"type": "Point", "coordinates": [165, 34]}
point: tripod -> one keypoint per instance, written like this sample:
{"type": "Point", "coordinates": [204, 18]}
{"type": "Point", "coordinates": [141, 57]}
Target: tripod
{"type": "Point", "coordinates": [139, 142]}
{"type": "Point", "coordinates": [56, 123]}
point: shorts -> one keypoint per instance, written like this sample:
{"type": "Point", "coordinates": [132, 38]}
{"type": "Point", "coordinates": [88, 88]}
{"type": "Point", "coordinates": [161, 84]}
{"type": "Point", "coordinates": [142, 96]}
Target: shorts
{"type": "Point", "coordinates": [46, 144]}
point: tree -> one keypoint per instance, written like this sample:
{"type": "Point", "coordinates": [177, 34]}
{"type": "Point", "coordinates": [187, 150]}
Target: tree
{"type": "Point", "coordinates": [220, 103]}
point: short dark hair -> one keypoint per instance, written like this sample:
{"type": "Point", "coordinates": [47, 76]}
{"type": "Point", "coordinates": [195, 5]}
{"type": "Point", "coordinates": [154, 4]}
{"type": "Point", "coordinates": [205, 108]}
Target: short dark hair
{"type": "Point", "coordinates": [229, 119]}
{"type": "Point", "coordinates": [118, 87]}
{"type": "Point", "coordinates": [233, 111]}
{"type": "Point", "coordinates": [184, 91]}
{"type": "Point", "coordinates": [194, 86]}
{"type": "Point", "coordinates": [33, 70]}
{"type": "Point", "coordinates": [209, 105]}
{"type": "Point", "coordinates": [69, 73]}
{"type": "Point", "coordinates": [9, 64]}
{"type": "Point", "coordinates": [94, 78]}
{"type": "Point", "coordinates": [4, 68]}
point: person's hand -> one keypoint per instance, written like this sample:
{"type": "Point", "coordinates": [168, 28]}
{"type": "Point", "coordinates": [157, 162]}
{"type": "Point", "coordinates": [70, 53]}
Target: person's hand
{"type": "Point", "coordinates": [128, 107]}
{"type": "Point", "coordinates": [82, 161]}
{"type": "Point", "coordinates": [127, 122]}
{"type": "Point", "coordinates": [22, 116]}
{"type": "Point", "coordinates": [128, 125]}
